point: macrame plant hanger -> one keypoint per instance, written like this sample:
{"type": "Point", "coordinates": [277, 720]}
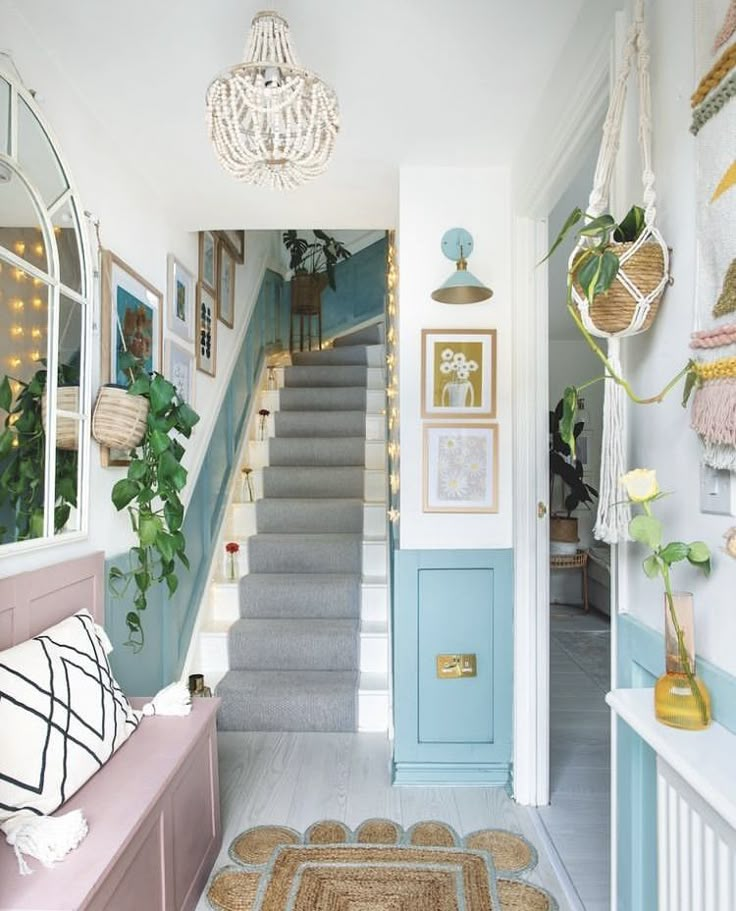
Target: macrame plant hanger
{"type": "Point", "coordinates": [613, 512]}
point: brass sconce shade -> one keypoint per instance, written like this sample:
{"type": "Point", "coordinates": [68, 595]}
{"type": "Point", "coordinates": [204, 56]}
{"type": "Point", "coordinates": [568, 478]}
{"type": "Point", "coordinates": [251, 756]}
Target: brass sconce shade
{"type": "Point", "coordinates": [462, 287]}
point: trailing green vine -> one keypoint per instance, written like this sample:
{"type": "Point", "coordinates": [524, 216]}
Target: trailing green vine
{"type": "Point", "coordinates": [151, 493]}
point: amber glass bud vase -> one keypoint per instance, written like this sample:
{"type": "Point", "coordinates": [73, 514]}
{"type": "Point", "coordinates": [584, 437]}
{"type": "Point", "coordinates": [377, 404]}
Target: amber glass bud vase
{"type": "Point", "coordinates": [681, 699]}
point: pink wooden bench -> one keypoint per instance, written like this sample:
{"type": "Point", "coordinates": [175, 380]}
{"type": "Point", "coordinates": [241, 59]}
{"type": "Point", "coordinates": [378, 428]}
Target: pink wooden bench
{"type": "Point", "coordinates": [153, 810]}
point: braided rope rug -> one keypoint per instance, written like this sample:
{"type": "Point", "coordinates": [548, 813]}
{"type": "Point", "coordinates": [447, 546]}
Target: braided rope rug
{"type": "Point", "coordinates": [377, 867]}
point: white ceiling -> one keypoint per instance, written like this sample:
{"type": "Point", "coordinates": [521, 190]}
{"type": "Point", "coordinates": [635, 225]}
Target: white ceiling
{"type": "Point", "coordinates": [419, 81]}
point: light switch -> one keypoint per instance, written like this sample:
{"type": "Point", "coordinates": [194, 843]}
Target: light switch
{"type": "Point", "coordinates": [717, 491]}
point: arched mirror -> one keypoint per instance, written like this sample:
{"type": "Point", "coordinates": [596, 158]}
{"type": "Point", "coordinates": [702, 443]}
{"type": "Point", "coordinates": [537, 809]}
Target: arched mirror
{"type": "Point", "coordinates": [44, 334]}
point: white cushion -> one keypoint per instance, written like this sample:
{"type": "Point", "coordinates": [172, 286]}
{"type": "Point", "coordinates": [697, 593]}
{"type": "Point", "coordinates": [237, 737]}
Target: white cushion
{"type": "Point", "coordinates": [62, 715]}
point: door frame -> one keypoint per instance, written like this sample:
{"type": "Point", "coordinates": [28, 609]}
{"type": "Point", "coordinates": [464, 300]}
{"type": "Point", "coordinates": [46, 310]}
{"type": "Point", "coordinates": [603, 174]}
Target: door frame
{"type": "Point", "coordinates": [569, 133]}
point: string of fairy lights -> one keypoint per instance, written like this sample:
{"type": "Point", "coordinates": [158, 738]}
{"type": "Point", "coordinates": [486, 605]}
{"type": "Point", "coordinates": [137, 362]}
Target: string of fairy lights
{"type": "Point", "coordinates": [22, 297]}
{"type": "Point", "coordinates": [392, 379]}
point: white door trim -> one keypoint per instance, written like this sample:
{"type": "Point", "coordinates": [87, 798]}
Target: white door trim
{"type": "Point", "coordinates": [572, 127]}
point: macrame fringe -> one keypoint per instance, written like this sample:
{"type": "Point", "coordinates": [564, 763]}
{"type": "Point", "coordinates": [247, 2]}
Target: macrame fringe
{"type": "Point", "coordinates": [717, 455]}
{"type": "Point", "coordinates": [612, 521]}
{"type": "Point", "coordinates": [174, 699]}
{"type": "Point", "coordinates": [47, 838]}
{"type": "Point", "coordinates": [713, 413]}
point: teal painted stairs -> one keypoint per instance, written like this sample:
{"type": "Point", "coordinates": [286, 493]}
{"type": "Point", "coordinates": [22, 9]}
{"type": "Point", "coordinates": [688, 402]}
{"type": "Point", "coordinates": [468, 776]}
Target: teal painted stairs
{"type": "Point", "coordinates": [307, 650]}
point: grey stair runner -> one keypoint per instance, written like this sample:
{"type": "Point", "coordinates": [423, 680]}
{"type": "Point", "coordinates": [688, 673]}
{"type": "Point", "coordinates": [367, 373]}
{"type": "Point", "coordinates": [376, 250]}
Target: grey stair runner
{"type": "Point", "coordinates": [294, 654]}
{"type": "Point", "coordinates": [368, 335]}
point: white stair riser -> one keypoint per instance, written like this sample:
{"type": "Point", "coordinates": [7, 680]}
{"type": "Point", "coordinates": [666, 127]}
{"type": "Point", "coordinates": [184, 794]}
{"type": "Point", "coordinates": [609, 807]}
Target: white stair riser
{"type": "Point", "coordinates": [373, 711]}
{"type": "Point", "coordinates": [374, 653]}
{"type": "Point", "coordinates": [375, 485]}
{"type": "Point", "coordinates": [242, 520]}
{"type": "Point", "coordinates": [213, 656]}
{"type": "Point", "coordinates": [375, 555]}
{"type": "Point", "coordinates": [375, 427]}
{"type": "Point", "coordinates": [374, 602]}
{"type": "Point", "coordinates": [375, 401]}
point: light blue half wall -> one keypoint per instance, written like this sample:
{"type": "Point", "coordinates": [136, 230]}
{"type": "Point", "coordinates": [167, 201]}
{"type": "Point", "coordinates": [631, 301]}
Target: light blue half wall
{"type": "Point", "coordinates": [452, 731]}
{"type": "Point", "coordinates": [361, 290]}
{"type": "Point", "coordinates": [640, 662]}
{"type": "Point", "coordinates": [168, 621]}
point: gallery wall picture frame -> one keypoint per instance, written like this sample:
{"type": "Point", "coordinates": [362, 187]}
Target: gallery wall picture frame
{"type": "Point", "coordinates": [181, 292]}
{"type": "Point", "coordinates": [208, 260]}
{"type": "Point", "coordinates": [206, 333]}
{"type": "Point", "coordinates": [225, 285]}
{"type": "Point", "coordinates": [458, 373]}
{"type": "Point", "coordinates": [130, 321]}
{"type": "Point", "coordinates": [235, 241]}
{"type": "Point", "coordinates": [179, 369]}
{"type": "Point", "coordinates": [460, 467]}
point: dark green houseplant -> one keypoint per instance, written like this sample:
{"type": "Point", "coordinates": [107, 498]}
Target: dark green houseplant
{"type": "Point", "coordinates": [151, 494]}
{"type": "Point", "coordinates": [316, 258]}
{"type": "Point", "coordinates": [23, 456]}
{"type": "Point", "coordinates": [569, 470]}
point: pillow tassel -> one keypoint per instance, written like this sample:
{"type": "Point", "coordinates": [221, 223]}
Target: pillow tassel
{"type": "Point", "coordinates": [174, 699]}
{"type": "Point", "coordinates": [47, 838]}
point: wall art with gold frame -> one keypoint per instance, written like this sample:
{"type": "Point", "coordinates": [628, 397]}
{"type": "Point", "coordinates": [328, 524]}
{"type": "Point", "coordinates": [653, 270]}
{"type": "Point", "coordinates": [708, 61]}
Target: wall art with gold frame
{"type": "Point", "coordinates": [459, 373]}
{"type": "Point", "coordinates": [461, 467]}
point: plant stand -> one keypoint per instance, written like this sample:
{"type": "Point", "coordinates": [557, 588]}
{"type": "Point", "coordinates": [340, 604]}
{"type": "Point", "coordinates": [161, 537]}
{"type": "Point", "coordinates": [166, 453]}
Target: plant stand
{"type": "Point", "coordinates": [574, 561]}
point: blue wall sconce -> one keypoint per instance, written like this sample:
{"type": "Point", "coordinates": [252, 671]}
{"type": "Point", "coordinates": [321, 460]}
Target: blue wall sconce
{"type": "Point", "coordinates": [462, 287]}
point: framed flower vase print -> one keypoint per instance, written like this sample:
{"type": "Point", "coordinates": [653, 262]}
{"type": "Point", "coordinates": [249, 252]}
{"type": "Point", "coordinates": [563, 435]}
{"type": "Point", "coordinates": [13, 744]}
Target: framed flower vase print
{"type": "Point", "coordinates": [459, 373]}
{"type": "Point", "coordinates": [179, 369]}
{"type": "Point", "coordinates": [130, 331]}
{"type": "Point", "coordinates": [208, 260]}
{"type": "Point", "coordinates": [206, 334]}
{"type": "Point", "coordinates": [181, 292]}
{"type": "Point", "coordinates": [225, 286]}
{"type": "Point", "coordinates": [461, 468]}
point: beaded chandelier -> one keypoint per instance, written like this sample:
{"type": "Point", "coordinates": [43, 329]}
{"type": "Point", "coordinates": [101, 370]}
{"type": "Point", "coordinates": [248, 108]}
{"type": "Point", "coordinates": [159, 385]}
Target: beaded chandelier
{"type": "Point", "coordinates": [272, 122]}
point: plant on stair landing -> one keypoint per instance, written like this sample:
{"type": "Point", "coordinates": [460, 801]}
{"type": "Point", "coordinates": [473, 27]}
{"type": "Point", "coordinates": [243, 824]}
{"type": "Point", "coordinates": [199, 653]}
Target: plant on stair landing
{"type": "Point", "coordinates": [317, 258]}
{"type": "Point", "coordinates": [150, 492]}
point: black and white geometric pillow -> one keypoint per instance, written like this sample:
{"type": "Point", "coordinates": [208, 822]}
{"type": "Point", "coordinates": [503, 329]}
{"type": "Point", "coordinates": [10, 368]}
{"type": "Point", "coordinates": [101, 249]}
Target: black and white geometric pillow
{"type": "Point", "coordinates": [62, 715]}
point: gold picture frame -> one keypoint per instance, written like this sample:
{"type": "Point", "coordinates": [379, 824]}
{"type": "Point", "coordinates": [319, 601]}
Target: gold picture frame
{"type": "Point", "coordinates": [458, 373]}
{"type": "Point", "coordinates": [127, 298]}
{"type": "Point", "coordinates": [225, 285]}
{"type": "Point", "coordinates": [205, 337]}
{"type": "Point", "coordinates": [208, 260]}
{"type": "Point", "coordinates": [460, 467]}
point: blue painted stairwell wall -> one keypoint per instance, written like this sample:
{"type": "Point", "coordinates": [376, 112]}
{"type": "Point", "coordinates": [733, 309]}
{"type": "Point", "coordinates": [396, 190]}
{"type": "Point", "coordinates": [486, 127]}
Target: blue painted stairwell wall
{"type": "Point", "coordinates": [169, 621]}
{"type": "Point", "coordinates": [361, 290]}
{"type": "Point", "coordinates": [640, 662]}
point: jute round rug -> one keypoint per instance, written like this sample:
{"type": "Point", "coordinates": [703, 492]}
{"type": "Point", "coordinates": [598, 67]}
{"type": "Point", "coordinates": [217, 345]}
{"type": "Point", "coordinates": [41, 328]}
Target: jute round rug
{"type": "Point", "coordinates": [377, 867]}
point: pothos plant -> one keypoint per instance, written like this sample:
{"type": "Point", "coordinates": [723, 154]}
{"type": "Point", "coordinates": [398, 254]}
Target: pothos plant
{"type": "Point", "coordinates": [151, 494]}
{"type": "Point", "coordinates": [594, 270]}
{"type": "Point", "coordinates": [23, 456]}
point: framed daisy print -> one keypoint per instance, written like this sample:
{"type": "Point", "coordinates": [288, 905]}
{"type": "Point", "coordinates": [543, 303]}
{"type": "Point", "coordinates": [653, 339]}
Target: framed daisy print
{"type": "Point", "coordinates": [459, 373]}
{"type": "Point", "coordinates": [461, 468]}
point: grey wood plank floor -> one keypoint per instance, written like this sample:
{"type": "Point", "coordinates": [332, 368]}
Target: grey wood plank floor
{"type": "Point", "coordinates": [294, 779]}
{"type": "Point", "coordinates": [578, 817]}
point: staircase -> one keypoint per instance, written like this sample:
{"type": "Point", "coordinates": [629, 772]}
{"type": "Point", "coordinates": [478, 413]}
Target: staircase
{"type": "Point", "coordinates": [303, 636]}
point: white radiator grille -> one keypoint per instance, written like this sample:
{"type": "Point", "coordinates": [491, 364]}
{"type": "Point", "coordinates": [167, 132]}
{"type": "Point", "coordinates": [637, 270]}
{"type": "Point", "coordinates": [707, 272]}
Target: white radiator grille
{"type": "Point", "coordinates": [696, 849]}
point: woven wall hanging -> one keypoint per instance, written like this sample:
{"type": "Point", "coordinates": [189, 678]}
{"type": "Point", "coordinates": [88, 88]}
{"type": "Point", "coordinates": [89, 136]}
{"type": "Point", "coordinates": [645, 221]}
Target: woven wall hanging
{"type": "Point", "coordinates": [629, 307]}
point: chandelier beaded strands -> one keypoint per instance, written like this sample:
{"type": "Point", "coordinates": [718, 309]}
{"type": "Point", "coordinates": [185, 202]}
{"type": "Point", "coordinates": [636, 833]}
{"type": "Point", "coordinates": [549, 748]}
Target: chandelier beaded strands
{"type": "Point", "coordinates": [271, 122]}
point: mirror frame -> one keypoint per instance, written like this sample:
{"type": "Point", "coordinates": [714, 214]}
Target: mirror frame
{"type": "Point", "coordinates": [52, 280]}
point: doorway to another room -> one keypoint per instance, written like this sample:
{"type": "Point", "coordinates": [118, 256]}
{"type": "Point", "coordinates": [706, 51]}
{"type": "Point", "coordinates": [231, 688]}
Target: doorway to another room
{"type": "Point", "coordinates": [577, 819]}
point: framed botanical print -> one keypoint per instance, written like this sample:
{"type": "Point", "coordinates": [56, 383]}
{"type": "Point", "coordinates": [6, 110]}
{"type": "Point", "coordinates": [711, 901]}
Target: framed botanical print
{"type": "Point", "coordinates": [181, 292]}
{"type": "Point", "coordinates": [459, 373]}
{"type": "Point", "coordinates": [225, 285]}
{"type": "Point", "coordinates": [208, 260]}
{"type": "Point", "coordinates": [461, 468]}
{"type": "Point", "coordinates": [179, 369]}
{"type": "Point", "coordinates": [235, 240]}
{"type": "Point", "coordinates": [206, 335]}
{"type": "Point", "coordinates": [130, 324]}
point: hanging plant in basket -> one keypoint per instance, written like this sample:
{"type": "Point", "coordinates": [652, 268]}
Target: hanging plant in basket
{"type": "Point", "coordinates": [151, 494]}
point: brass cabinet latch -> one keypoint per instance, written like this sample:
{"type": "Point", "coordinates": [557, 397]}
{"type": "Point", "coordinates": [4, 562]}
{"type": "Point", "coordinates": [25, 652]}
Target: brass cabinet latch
{"type": "Point", "coordinates": [453, 666]}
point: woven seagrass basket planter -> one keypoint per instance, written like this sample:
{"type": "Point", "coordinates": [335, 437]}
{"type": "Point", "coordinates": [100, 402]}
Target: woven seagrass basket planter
{"type": "Point", "coordinates": [306, 292]}
{"type": "Point", "coordinates": [614, 310]}
{"type": "Point", "coordinates": [119, 419]}
{"type": "Point", "coordinates": [563, 528]}
{"type": "Point", "coordinates": [67, 429]}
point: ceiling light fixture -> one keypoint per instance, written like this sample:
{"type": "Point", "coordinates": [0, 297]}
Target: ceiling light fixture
{"type": "Point", "coordinates": [462, 287]}
{"type": "Point", "coordinates": [272, 122]}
